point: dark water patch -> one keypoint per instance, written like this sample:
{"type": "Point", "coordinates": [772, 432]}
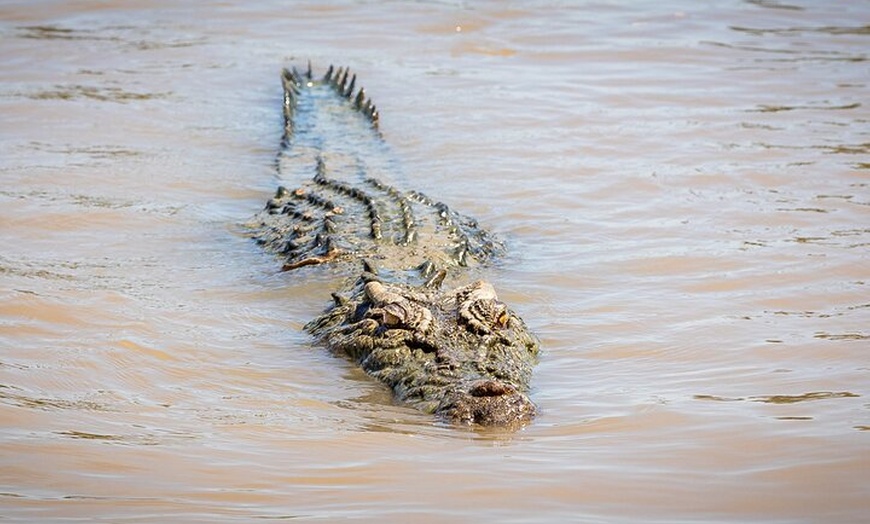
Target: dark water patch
{"type": "Point", "coordinates": [841, 336]}
{"type": "Point", "coordinates": [89, 436]}
{"type": "Point", "coordinates": [810, 240]}
{"type": "Point", "coordinates": [796, 55]}
{"type": "Point", "coordinates": [95, 274]}
{"type": "Point", "coordinates": [51, 404]}
{"type": "Point", "coordinates": [857, 149]}
{"type": "Point", "coordinates": [803, 314]}
{"type": "Point", "coordinates": [763, 108]}
{"type": "Point", "coordinates": [128, 36]}
{"type": "Point", "coordinates": [16, 268]}
{"type": "Point", "coordinates": [94, 151]}
{"type": "Point", "coordinates": [93, 201]}
{"type": "Point", "coordinates": [772, 4]}
{"type": "Point", "coordinates": [842, 197]}
{"type": "Point", "coordinates": [153, 45]}
{"type": "Point", "coordinates": [53, 32]}
{"type": "Point", "coordinates": [793, 399]}
{"type": "Point", "coordinates": [102, 94]}
{"type": "Point", "coordinates": [831, 30]}
{"type": "Point", "coordinates": [781, 399]}
{"type": "Point", "coordinates": [833, 313]}
{"type": "Point", "coordinates": [804, 209]}
{"type": "Point", "coordinates": [133, 439]}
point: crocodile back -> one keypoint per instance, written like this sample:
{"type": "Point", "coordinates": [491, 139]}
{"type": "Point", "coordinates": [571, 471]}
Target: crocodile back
{"type": "Point", "coordinates": [336, 208]}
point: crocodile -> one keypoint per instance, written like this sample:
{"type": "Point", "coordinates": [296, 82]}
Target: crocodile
{"type": "Point", "coordinates": [408, 310]}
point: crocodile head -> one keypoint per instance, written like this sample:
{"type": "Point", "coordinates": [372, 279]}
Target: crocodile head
{"type": "Point", "coordinates": [461, 354]}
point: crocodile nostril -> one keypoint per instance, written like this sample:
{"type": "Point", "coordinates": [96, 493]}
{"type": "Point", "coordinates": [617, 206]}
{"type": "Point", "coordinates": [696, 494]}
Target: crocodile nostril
{"type": "Point", "coordinates": [489, 388]}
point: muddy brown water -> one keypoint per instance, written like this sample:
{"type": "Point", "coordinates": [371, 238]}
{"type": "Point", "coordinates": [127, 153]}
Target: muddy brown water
{"type": "Point", "coordinates": [683, 188]}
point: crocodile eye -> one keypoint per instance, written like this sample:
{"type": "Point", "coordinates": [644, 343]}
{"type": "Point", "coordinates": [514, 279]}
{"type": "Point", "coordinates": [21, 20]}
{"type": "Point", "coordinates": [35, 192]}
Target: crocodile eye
{"type": "Point", "coordinates": [484, 315]}
{"type": "Point", "coordinates": [504, 318]}
{"type": "Point", "coordinates": [480, 309]}
{"type": "Point", "coordinates": [396, 311]}
{"type": "Point", "coordinates": [391, 318]}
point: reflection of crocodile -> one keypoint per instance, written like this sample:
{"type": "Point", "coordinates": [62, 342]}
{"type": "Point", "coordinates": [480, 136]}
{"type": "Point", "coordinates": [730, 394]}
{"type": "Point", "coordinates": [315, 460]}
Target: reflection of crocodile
{"type": "Point", "coordinates": [459, 353]}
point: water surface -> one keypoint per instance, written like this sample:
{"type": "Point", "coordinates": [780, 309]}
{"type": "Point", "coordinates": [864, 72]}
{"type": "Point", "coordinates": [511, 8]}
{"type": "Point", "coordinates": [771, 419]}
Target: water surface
{"type": "Point", "coordinates": [682, 186]}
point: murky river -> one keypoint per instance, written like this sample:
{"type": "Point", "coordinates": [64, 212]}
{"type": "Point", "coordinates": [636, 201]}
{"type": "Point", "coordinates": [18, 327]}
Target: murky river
{"type": "Point", "coordinates": [683, 188]}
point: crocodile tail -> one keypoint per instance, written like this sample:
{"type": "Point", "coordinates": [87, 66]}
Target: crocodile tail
{"type": "Point", "coordinates": [291, 83]}
{"type": "Point", "coordinates": [345, 211]}
{"type": "Point", "coordinates": [338, 79]}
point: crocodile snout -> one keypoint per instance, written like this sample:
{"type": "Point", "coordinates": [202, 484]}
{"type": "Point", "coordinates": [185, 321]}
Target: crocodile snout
{"type": "Point", "coordinates": [491, 402]}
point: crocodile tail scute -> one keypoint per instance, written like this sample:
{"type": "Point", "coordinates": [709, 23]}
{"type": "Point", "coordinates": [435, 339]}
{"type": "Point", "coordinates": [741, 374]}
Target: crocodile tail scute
{"type": "Point", "coordinates": [338, 79]}
{"type": "Point", "coordinates": [291, 83]}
